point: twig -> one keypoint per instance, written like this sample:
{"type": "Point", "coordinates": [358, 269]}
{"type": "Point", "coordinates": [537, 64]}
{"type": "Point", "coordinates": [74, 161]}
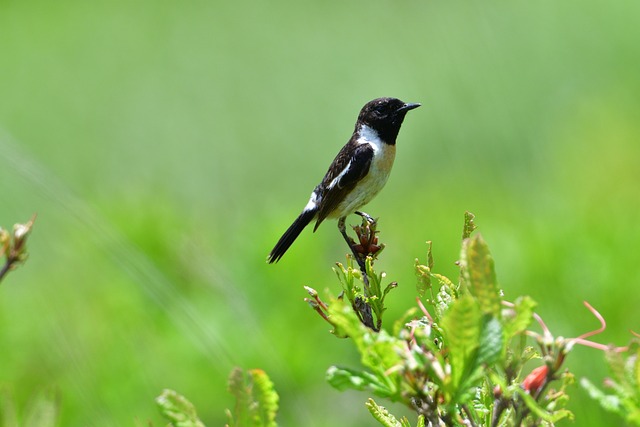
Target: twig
{"type": "Point", "coordinates": [466, 410]}
{"type": "Point", "coordinates": [6, 267]}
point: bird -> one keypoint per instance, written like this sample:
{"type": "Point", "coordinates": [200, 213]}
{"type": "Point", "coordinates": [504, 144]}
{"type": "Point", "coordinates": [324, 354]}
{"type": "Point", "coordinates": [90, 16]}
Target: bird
{"type": "Point", "coordinates": [356, 175]}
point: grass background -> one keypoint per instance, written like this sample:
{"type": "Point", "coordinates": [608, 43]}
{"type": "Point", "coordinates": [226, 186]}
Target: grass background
{"type": "Point", "coordinates": [166, 146]}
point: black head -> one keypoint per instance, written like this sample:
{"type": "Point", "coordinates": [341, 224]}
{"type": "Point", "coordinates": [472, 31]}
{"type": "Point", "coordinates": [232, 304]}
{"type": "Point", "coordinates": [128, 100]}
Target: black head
{"type": "Point", "coordinates": [385, 115]}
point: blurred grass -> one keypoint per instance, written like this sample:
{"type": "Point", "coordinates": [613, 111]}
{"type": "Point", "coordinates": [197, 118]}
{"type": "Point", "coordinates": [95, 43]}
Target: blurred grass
{"type": "Point", "coordinates": [165, 147]}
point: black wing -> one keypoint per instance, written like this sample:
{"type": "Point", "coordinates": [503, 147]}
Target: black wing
{"type": "Point", "coordinates": [348, 168]}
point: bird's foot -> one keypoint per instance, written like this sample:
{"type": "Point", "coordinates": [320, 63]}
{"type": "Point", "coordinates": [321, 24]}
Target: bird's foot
{"type": "Point", "coordinates": [366, 216]}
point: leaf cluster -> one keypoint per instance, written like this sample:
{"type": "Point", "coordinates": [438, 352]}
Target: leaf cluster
{"type": "Point", "coordinates": [621, 392]}
{"type": "Point", "coordinates": [460, 360]}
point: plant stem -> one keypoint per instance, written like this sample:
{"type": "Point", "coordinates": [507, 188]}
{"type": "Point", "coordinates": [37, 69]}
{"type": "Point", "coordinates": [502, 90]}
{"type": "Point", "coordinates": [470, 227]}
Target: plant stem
{"type": "Point", "coordinates": [6, 267]}
{"type": "Point", "coordinates": [467, 412]}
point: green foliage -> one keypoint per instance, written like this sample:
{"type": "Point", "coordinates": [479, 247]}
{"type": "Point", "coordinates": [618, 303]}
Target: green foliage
{"type": "Point", "coordinates": [519, 319]}
{"type": "Point", "coordinates": [256, 399]}
{"type": "Point", "coordinates": [367, 300]}
{"type": "Point", "coordinates": [159, 137]}
{"type": "Point", "coordinates": [384, 417]}
{"type": "Point", "coordinates": [469, 226]}
{"type": "Point", "coordinates": [256, 402]}
{"type": "Point", "coordinates": [463, 361]}
{"type": "Point", "coordinates": [623, 388]}
{"type": "Point", "coordinates": [461, 332]}
{"type": "Point", "coordinates": [478, 274]}
{"type": "Point", "coordinates": [178, 410]}
{"type": "Point", "coordinates": [380, 354]}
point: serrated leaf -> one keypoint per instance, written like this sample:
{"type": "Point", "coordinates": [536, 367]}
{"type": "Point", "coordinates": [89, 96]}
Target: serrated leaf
{"type": "Point", "coordinates": [256, 399]}
{"type": "Point", "coordinates": [178, 410]}
{"type": "Point", "coordinates": [469, 225]}
{"type": "Point", "coordinates": [381, 414]}
{"type": "Point", "coordinates": [479, 274]}
{"type": "Point", "coordinates": [264, 397]}
{"type": "Point", "coordinates": [446, 295]}
{"type": "Point", "coordinates": [631, 372]}
{"type": "Point", "coordinates": [616, 363]}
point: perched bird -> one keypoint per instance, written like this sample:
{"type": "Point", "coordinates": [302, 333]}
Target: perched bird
{"type": "Point", "coordinates": [356, 175]}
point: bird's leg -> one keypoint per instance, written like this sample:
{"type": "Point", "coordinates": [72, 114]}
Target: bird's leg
{"type": "Point", "coordinates": [352, 243]}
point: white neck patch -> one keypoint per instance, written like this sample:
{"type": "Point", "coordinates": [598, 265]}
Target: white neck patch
{"type": "Point", "coordinates": [369, 136]}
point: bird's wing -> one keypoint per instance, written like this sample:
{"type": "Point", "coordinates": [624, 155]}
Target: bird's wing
{"type": "Point", "coordinates": [340, 181]}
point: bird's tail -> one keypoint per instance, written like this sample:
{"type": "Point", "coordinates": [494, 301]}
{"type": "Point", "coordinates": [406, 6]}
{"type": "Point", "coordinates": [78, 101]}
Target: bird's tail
{"type": "Point", "coordinates": [291, 234]}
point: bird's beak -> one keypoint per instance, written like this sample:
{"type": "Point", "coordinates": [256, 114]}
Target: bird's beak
{"type": "Point", "coordinates": [407, 107]}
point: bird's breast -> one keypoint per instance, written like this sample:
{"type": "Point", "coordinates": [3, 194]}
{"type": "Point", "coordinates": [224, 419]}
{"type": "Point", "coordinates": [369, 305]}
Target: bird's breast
{"type": "Point", "coordinates": [371, 183]}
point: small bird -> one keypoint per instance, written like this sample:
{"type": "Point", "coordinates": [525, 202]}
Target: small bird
{"type": "Point", "coordinates": [356, 175]}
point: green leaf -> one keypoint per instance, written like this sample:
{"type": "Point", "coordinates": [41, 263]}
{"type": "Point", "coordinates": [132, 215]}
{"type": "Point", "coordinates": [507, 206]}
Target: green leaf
{"type": "Point", "coordinates": [178, 410]}
{"type": "Point", "coordinates": [490, 349]}
{"type": "Point", "coordinates": [347, 276]}
{"type": "Point", "coordinates": [520, 316]}
{"type": "Point", "coordinates": [346, 378]}
{"type": "Point", "coordinates": [461, 326]}
{"type": "Point", "coordinates": [491, 341]}
{"type": "Point", "coordinates": [379, 352]}
{"type": "Point", "coordinates": [256, 399]}
{"type": "Point", "coordinates": [469, 225]}
{"type": "Point", "coordinates": [446, 295]}
{"type": "Point", "coordinates": [533, 406]}
{"type": "Point", "coordinates": [236, 386]}
{"type": "Point", "coordinates": [539, 412]}
{"type": "Point", "coordinates": [265, 398]}
{"type": "Point", "coordinates": [478, 273]}
{"type": "Point", "coordinates": [617, 366]}
{"type": "Point", "coordinates": [381, 414]}
{"type": "Point", "coordinates": [423, 273]}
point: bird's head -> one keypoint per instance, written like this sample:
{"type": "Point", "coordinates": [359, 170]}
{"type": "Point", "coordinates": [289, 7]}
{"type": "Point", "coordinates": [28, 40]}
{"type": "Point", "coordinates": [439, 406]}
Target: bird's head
{"type": "Point", "coordinates": [385, 116]}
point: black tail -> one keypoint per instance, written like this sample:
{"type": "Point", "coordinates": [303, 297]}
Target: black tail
{"type": "Point", "coordinates": [290, 235]}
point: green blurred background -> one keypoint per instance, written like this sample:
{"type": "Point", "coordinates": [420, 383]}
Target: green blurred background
{"type": "Point", "coordinates": [166, 146]}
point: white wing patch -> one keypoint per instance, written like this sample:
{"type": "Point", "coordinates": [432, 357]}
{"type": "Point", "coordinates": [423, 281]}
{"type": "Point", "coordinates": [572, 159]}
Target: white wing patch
{"type": "Point", "coordinates": [374, 180]}
{"type": "Point", "coordinates": [337, 179]}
